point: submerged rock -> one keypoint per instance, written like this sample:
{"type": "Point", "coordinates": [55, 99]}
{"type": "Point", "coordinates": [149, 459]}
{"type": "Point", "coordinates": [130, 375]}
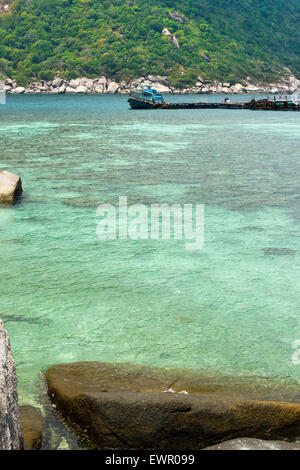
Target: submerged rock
{"type": "Point", "coordinates": [279, 251]}
{"type": "Point", "coordinates": [254, 444]}
{"type": "Point", "coordinates": [10, 422]}
{"type": "Point", "coordinates": [32, 427]}
{"type": "Point", "coordinates": [126, 406]}
{"type": "Point", "coordinates": [10, 187]}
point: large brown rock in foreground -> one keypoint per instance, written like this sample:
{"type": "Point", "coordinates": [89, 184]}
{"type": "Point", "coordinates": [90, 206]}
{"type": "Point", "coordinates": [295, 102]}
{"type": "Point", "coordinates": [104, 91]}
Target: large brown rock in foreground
{"type": "Point", "coordinates": [10, 187]}
{"type": "Point", "coordinates": [10, 423]}
{"type": "Point", "coordinates": [254, 444]}
{"type": "Point", "coordinates": [126, 406]}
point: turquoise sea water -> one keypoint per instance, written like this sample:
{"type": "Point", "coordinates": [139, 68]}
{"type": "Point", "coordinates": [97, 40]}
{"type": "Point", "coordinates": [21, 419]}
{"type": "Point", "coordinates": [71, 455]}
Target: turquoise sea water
{"type": "Point", "coordinates": [232, 307]}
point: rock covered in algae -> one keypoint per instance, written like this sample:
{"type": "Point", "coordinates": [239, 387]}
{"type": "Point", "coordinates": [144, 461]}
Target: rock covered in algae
{"type": "Point", "coordinates": [127, 406]}
{"type": "Point", "coordinates": [32, 427]}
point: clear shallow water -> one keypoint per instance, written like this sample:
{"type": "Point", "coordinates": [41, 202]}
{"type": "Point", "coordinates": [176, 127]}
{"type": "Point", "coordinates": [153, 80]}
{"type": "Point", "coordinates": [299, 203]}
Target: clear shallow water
{"type": "Point", "coordinates": [65, 296]}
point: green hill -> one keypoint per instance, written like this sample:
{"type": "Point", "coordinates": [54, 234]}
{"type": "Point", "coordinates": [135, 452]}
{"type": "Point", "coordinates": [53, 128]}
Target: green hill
{"type": "Point", "coordinates": [218, 39]}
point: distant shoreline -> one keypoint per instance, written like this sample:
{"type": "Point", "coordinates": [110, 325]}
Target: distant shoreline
{"type": "Point", "coordinates": [287, 85]}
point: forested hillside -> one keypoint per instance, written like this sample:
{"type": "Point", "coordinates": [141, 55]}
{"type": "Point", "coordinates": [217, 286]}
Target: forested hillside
{"type": "Point", "coordinates": [217, 39]}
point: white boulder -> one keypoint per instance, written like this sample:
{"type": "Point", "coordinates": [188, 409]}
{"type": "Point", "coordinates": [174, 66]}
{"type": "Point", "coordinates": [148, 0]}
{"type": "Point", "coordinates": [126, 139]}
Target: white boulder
{"type": "Point", "coordinates": [74, 83]}
{"type": "Point", "coordinates": [10, 187]}
{"type": "Point", "coordinates": [19, 90]}
{"type": "Point", "coordinates": [112, 88]}
{"type": "Point", "coordinates": [81, 89]}
{"type": "Point", "coordinates": [238, 88]}
{"type": "Point", "coordinates": [99, 88]}
{"type": "Point", "coordinates": [70, 90]}
{"type": "Point", "coordinates": [57, 82]}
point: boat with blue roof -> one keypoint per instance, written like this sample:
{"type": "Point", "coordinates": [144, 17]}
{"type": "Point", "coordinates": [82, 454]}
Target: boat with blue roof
{"type": "Point", "coordinates": [145, 99]}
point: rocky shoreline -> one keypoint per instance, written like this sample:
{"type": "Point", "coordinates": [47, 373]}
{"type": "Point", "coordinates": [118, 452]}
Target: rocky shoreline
{"type": "Point", "coordinates": [288, 84]}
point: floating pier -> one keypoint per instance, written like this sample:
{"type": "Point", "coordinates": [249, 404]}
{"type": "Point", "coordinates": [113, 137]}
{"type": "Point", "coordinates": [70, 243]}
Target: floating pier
{"type": "Point", "coordinates": [150, 99]}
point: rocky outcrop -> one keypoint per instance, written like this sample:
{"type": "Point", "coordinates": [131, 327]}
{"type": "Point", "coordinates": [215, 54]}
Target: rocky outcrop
{"type": "Point", "coordinates": [254, 444]}
{"type": "Point", "coordinates": [32, 427]}
{"type": "Point", "coordinates": [175, 16]}
{"type": "Point", "coordinates": [112, 88]}
{"type": "Point", "coordinates": [126, 406]}
{"type": "Point", "coordinates": [287, 84]}
{"type": "Point", "coordinates": [10, 423]}
{"type": "Point", "coordinates": [4, 7]}
{"type": "Point", "coordinates": [173, 38]}
{"type": "Point", "coordinates": [10, 187]}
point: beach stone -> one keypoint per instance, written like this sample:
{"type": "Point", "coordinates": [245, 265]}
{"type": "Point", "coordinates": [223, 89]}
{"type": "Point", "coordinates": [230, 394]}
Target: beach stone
{"type": "Point", "coordinates": [161, 88]}
{"type": "Point", "coordinates": [19, 90]}
{"type": "Point", "coordinates": [32, 427]}
{"type": "Point", "coordinates": [10, 422]}
{"type": "Point", "coordinates": [81, 89]}
{"type": "Point", "coordinates": [43, 88]}
{"type": "Point", "coordinates": [127, 406]}
{"type": "Point", "coordinates": [57, 82]}
{"type": "Point", "coordinates": [254, 444]}
{"type": "Point", "coordinates": [112, 88]}
{"type": "Point", "coordinates": [101, 81]}
{"type": "Point", "coordinates": [238, 88]}
{"type": "Point", "coordinates": [206, 90]}
{"type": "Point", "coordinates": [74, 83]}
{"type": "Point", "coordinates": [87, 82]}
{"type": "Point", "coordinates": [69, 89]}
{"type": "Point", "coordinates": [99, 88]}
{"type": "Point", "coordinates": [10, 187]}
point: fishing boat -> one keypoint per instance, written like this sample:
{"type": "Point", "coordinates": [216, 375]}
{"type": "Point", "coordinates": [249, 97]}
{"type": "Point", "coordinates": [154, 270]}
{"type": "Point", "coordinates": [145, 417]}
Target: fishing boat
{"type": "Point", "coordinates": [149, 98]}
{"type": "Point", "coordinates": [145, 99]}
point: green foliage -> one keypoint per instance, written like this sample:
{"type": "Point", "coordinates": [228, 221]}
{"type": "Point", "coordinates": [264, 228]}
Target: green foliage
{"type": "Point", "coordinates": [183, 79]}
{"type": "Point", "coordinates": [222, 39]}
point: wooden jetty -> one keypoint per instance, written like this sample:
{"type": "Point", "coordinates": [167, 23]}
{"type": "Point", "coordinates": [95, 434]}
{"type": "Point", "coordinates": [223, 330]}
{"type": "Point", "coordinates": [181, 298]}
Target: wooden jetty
{"type": "Point", "coordinates": [199, 105]}
{"type": "Point", "coordinates": [150, 99]}
{"type": "Point", "coordinates": [269, 105]}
